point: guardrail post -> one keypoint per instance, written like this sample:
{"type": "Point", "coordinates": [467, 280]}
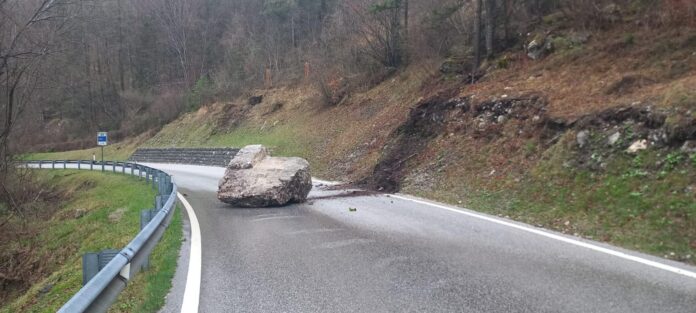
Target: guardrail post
{"type": "Point", "coordinates": [132, 167]}
{"type": "Point", "coordinates": [93, 262]}
{"type": "Point", "coordinates": [53, 164]}
{"type": "Point", "coordinates": [90, 266]}
{"type": "Point", "coordinates": [79, 163]}
{"type": "Point", "coordinates": [123, 167]}
{"type": "Point", "coordinates": [153, 179]}
{"type": "Point", "coordinates": [113, 164]}
{"type": "Point", "coordinates": [91, 165]}
{"type": "Point", "coordinates": [147, 175]}
{"type": "Point", "coordinates": [145, 218]}
{"type": "Point", "coordinates": [40, 163]}
{"type": "Point", "coordinates": [65, 164]}
{"type": "Point", "coordinates": [102, 164]}
{"type": "Point", "coordinates": [168, 184]}
{"type": "Point", "coordinates": [159, 202]}
{"type": "Point", "coordinates": [159, 183]}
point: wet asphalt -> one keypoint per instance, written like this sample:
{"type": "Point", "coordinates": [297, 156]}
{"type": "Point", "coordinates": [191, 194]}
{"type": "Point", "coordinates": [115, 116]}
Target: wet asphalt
{"type": "Point", "coordinates": [395, 255]}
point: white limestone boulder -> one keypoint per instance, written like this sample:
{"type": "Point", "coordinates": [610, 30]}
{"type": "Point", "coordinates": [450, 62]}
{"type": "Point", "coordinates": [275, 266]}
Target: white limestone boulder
{"type": "Point", "coordinates": [255, 179]}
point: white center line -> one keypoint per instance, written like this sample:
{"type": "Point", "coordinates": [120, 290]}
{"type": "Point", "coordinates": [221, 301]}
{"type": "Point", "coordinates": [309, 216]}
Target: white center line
{"type": "Point", "coordinates": [193, 279]}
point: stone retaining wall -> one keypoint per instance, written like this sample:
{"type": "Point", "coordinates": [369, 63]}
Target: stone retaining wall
{"type": "Point", "coordinates": [195, 156]}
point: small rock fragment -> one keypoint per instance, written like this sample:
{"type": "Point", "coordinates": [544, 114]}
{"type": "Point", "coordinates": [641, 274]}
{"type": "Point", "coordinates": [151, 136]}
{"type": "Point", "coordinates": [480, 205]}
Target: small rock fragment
{"type": "Point", "coordinates": [80, 213]}
{"type": "Point", "coordinates": [45, 289]}
{"type": "Point", "coordinates": [116, 215]}
{"type": "Point", "coordinates": [614, 138]}
{"type": "Point", "coordinates": [638, 145]}
{"type": "Point", "coordinates": [582, 137]}
{"type": "Point", "coordinates": [689, 146]}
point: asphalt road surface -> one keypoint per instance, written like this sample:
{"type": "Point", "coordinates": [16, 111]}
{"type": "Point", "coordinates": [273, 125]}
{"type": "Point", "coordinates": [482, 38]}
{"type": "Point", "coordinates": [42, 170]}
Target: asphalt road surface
{"type": "Point", "coordinates": [399, 254]}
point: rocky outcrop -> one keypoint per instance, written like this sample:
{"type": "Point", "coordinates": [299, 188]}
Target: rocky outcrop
{"type": "Point", "coordinates": [255, 179]}
{"type": "Point", "coordinates": [456, 66]}
{"type": "Point", "coordinates": [538, 48]}
{"type": "Point", "coordinates": [254, 100]}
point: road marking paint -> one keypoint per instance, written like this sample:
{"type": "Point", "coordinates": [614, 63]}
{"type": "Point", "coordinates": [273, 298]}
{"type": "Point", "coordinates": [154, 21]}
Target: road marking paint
{"type": "Point", "coordinates": [316, 181]}
{"type": "Point", "coordinates": [192, 292]}
{"type": "Point", "coordinates": [268, 215]}
{"type": "Point", "coordinates": [389, 261]}
{"type": "Point", "coordinates": [343, 243]}
{"type": "Point", "coordinates": [282, 217]}
{"type": "Point", "coordinates": [313, 231]}
{"type": "Point", "coordinates": [575, 242]}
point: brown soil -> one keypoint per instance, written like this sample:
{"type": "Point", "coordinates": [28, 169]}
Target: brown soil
{"type": "Point", "coordinates": [527, 117]}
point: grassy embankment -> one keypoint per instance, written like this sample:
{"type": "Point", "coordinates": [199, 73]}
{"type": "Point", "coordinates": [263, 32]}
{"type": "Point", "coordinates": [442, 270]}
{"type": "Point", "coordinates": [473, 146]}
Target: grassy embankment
{"type": "Point", "coordinates": [96, 211]}
{"type": "Point", "coordinates": [116, 151]}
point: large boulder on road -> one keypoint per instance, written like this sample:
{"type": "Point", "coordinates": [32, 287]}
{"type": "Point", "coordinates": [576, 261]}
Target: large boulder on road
{"type": "Point", "coordinates": [255, 179]}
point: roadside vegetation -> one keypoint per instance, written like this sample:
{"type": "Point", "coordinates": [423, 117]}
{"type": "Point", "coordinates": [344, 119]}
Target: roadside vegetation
{"type": "Point", "coordinates": [115, 151]}
{"type": "Point", "coordinates": [78, 212]}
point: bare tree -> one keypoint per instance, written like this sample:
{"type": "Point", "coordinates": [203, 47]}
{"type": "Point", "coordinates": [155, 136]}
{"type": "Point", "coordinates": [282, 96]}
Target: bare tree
{"type": "Point", "coordinates": [491, 12]}
{"type": "Point", "coordinates": [477, 35]}
{"type": "Point", "coordinates": [27, 32]}
{"type": "Point", "coordinates": [176, 17]}
{"type": "Point", "coordinates": [380, 27]}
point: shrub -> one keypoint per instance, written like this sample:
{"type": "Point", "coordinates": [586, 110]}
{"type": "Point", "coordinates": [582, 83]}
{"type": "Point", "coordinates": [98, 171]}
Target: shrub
{"type": "Point", "coordinates": [201, 92]}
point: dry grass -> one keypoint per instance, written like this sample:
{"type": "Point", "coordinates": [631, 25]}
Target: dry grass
{"type": "Point", "coordinates": [116, 151]}
{"type": "Point", "coordinates": [576, 80]}
{"type": "Point", "coordinates": [338, 140]}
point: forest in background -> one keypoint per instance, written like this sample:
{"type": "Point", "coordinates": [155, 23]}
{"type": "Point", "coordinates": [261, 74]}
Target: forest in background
{"type": "Point", "coordinates": [69, 68]}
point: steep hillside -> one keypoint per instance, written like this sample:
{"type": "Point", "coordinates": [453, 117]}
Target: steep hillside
{"type": "Point", "coordinates": [546, 142]}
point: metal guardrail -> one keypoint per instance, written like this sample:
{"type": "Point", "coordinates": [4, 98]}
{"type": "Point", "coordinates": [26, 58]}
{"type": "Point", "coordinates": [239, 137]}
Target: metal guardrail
{"type": "Point", "coordinates": [103, 289]}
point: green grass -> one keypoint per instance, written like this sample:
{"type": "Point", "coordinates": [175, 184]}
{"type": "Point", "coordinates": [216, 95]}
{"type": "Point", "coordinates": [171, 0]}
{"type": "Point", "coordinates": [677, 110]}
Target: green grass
{"type": "Point", "coordinates": [644, 202]}
{"type": "Point", "coordinates": [147, 292]}
{"type": "Point", "coordinates": [182, 134]}
{"type": "Point", "coordinates": [61, 239]}
{"type": "Point", "coordinates": [282, 140]}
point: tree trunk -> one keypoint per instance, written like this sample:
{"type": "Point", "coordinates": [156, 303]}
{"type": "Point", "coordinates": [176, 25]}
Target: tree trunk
{"type": "Point", "coordinates": [477, 37]}
{"type": "Point", "coordinates": [506, 21]}
{"type": "Point", "coordinates": [121, 70]}
{"type": "Point", "coordinates": [490, 27]}
{"type": "Point", "coordinates": [405, 19]}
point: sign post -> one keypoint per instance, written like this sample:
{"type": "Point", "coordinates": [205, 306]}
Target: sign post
{"type": "Point", "coordinates": [102, 139]}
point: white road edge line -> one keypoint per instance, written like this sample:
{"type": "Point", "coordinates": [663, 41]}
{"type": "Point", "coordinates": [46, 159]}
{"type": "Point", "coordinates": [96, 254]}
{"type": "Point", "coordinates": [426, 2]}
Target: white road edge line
{"type": "Point", "coordinates": [575, 242]}
{"type": "Point", "coordinates": [192, 292]}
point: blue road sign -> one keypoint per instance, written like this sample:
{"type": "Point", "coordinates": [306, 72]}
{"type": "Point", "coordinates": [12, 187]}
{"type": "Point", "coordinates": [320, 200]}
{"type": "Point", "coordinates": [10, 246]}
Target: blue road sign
{"type": "Point", "coordinates": [102, 138]}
